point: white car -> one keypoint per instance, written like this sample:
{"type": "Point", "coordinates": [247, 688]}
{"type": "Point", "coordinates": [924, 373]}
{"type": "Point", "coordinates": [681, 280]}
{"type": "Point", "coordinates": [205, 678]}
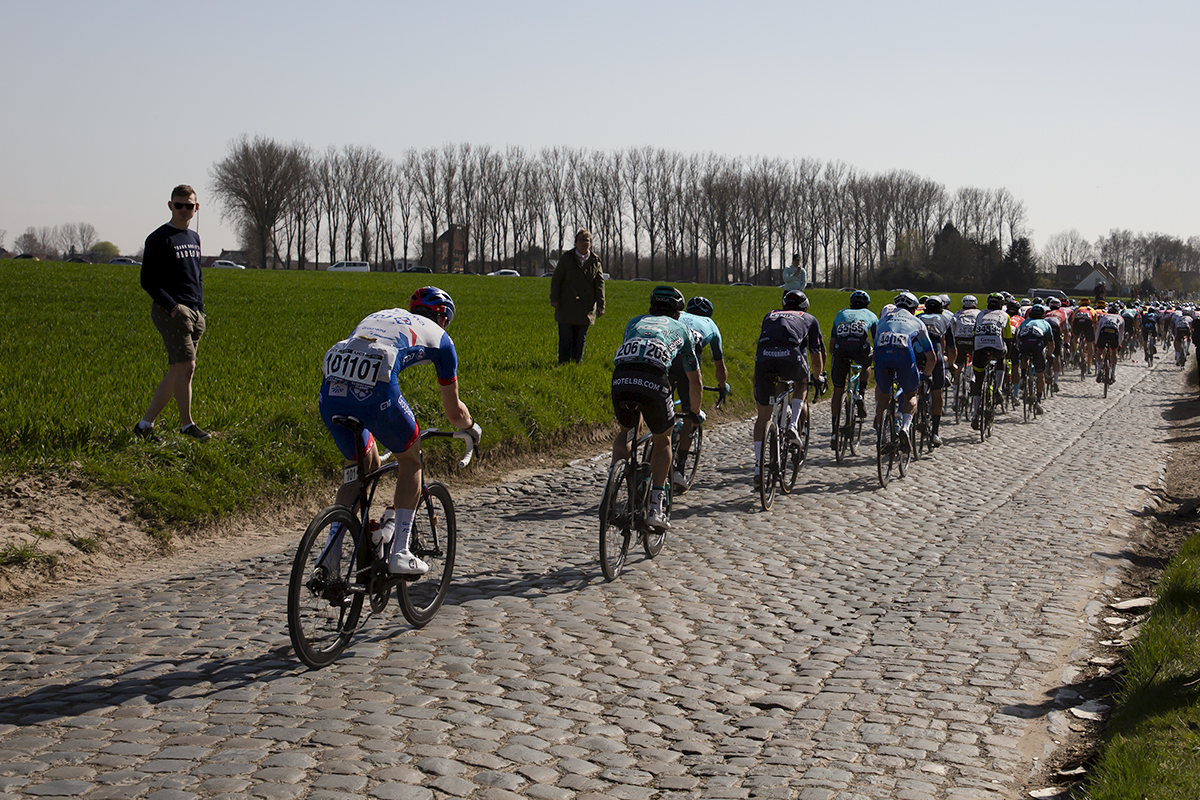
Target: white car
{"type": "Point", "coordinates": [507, 273]}
{"type": "Point", "coordinates": [221, 263]}
{"type": "Point", "coordinates": [350, 266]}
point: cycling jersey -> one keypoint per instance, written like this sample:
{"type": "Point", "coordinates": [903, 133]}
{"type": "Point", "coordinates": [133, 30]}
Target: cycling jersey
{"type": "Point", "coordinates": [1109, 330]}
{"type": "Point", "coordinates": [705, 333]}
{"type": "Point", "coordinates": [655, 341]}
{"type": "Point", "coordinates": [781, 356]}
{"type": "Point", "coordinates": [964, 325]}
{"type": "Point", "coordinates": [1035, 334]}
{"type": "Point", "coordinates": [853, 331]}
{"type": "Point", "coordinates": [361, 376]}
{"type": "Point", "coordinates": [1180, 324]}
{"type": "Point", "coordinates": [992, 330]}
{"type": "Point", "coordinates": [900, 339]}
{"type": "Point", "coordinates": [938, 328]}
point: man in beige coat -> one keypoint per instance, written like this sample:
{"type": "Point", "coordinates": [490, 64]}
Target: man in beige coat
{"type": "Point", "coordinates": [577, 294]}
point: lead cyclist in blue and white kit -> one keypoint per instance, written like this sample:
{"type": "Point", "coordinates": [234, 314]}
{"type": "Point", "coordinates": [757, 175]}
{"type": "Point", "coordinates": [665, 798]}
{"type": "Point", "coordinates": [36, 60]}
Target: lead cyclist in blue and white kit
{"type": "Point", "coordinates": [361, 381]}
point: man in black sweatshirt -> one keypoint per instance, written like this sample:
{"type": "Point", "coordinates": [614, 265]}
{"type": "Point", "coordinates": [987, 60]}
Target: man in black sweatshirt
{"type": "Point", "coordinates": [171, 276]}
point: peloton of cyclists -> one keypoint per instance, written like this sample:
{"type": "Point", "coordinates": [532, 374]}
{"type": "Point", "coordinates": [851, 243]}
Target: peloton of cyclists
{"type": "Point", "coordinates": [850, 338]}
{"type": "Point", "coordinates": [642, 376]}
{"type": "Point", "coordinates": [789, 340]}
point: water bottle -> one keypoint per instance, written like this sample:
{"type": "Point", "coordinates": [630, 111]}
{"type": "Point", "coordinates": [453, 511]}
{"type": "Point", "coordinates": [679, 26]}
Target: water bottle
{"type": "Point", "coordinates": [381, 532]}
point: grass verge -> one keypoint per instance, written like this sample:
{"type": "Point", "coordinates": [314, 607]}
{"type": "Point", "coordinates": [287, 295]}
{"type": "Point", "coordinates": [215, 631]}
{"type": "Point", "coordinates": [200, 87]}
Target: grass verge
{"type": "Point", "coordinates": [1152, 743]}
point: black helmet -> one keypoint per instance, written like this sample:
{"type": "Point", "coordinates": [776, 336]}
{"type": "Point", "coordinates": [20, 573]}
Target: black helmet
{"type": "Point", "coordinates": [860, 299]}
{"type": "Point", "coordinates": [795, 300]}
{"type": "Point", "coordinates": [933, 305]}
{"type": "Point", "coordinates": [700, 306]}
{"type": "Point", "coordinates": [1037, 311]}
{"type": "Point", "coordinates": [666, 300]}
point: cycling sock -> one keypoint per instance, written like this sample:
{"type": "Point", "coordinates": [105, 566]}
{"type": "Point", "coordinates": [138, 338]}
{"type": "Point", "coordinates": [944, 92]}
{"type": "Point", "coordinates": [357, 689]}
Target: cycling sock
{"type": "Point", "coordinates": [797, 410]}
{"type": "Point", "coordinates": [404, 522]}
{"type": "Point", "coordinates": [937, 423]}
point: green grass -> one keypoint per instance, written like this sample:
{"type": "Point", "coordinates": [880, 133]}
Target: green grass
{"type": "Point", "coordinates": [1152, 744]}
{"type": "Point", "coordinates": [81, 360]}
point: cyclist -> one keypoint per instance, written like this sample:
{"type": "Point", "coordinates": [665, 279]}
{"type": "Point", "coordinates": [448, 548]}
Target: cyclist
{"type": "Point", "coordinates": [698, 320]}
{"type": "Point", "coordinates": [901, 342]}
{"type": "Point", "coordinates": [361, 374]}
{"type": "Point", "coordinates": [1110, 330]}
{"type": "Point", "coordinates": [850, 341]}
{"type": "Point", "coordinates": [641, 375]}
{"type": "Point", "coordinates": [1016, 315]}
{"type": "Point", "coordinates": [963, 329]}
{"type": "Point", "coordinates": [1056, 316]}
{"type": "Point", "coordinates": [1130, 314]}
{"type": "Point", "coordinates": [1035, 338]}
{"type": "Point", "coordinates": [992, 335]}
{"type": "Point", "coordinates": [1181, 331]}
{"type": "Point", "coordinates": [789, 340]}
{"type": "Point", "coordinates": [1149, 327]}
{"type": "Point", "coordinates": [1083, 332]}
{"type": "Point", "coordinates": [944, 349]}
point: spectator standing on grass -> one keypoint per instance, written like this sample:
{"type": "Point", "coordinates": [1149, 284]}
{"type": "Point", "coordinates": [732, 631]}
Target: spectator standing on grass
{"type": "Point", "coordinates": [171, 276]}
{"type": "Point", "coordinates": [577, 295]}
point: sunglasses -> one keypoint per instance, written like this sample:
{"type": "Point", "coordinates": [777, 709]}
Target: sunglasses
{"type": "Point", "coordinates": [182, 206]}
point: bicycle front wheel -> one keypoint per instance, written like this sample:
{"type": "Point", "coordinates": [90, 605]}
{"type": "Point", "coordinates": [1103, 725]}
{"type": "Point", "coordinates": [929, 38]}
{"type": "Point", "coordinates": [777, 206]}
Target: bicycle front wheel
{"type": "Point", "coordinates": [691, 462]}
{"type": "Point", "coordinates": [844, 428]}
{"type": "Point", "coordinates": [616, 516]}
{"type": "Point", "coordinates": [434, 540]}
{"type": "Point", "coordinates": [885, 454]}
{"type": "Point", "coordinates": [770, 466]}
{"type": "Point", "coordinates": [325, 595]}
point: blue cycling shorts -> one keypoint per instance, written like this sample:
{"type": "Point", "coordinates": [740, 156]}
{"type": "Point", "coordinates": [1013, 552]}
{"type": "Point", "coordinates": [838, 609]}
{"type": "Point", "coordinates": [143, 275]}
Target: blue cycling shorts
{"type": "Point", "coordinates": [384, 412]}
{"type": "Point", "coordinates": [903, 370]}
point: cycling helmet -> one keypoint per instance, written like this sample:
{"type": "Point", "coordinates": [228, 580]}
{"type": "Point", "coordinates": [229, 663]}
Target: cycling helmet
{"type": "Point", "coordinates": [859, 299]}
{"type": "Point", "coordinates": [923, 299]}
{"type": "Point", "coordinates": [1055, 303]}
{"type": "Point", "coordinates": [700, 306]}
{"type": "Point", "coordinates": [1025, 301]}
{"type": "Point", "coordinates": [907, 301]}
{"type": "Point", "coordinates": [969, 301]}
{"type": "Point", "coordinates": [945, 298]}
{"type": "Point", "coordinates": [933, 305]}
{"type": "Point", "coordinates": [432, 302]}
{"type": "Point", "coordinates": [1037, 311]}
{"type": "Point", "coordinates": [995, 301]}
{"type": "Point", "coordinates": [795, 300]}
{"type": "Point", "coordinates": [1012, 307]}
{"type": "Point", "coordinates": [1114, 308]}
{"type": "Point", "coordinates": [666, 300]}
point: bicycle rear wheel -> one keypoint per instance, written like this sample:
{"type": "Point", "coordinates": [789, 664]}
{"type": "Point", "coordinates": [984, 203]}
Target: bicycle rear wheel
{"type": "Point", "coordinates": [434, 540]}
{"type": "Point", "coordinates": [845, 429]}
{"type": "Point", "coordinates": [885, 448]}
{"type": "Point", "coordinates": [325, 595]}
{"type": "Point", "coordinates": [922, 422]}
{"type": "Point", "coordinates": [616, 517]}
{"type": "Point", "coordinates": [692, 462]}
{"type": "Point", "coordinates": [770, 466]}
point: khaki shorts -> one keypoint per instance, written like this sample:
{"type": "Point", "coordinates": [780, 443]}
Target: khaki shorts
{"type": "Point", "coordinates": [181, 333]}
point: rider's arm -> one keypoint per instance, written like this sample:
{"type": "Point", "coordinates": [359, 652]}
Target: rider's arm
{"type": "Point", "coordinates": [456, 410]}
{"type": "Point", "coordinates": [930, 362]}
{"type": "Point", "coordinates": [697, 390]}
{"type": "Point", "coordinates": [721, 374]}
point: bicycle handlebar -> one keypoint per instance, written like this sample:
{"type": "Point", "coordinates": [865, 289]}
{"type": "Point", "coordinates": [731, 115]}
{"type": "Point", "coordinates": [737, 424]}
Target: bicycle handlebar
{"type": "Point", "coordinates": [466, 438]}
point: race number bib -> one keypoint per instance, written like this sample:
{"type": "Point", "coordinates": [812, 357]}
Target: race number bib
{"type": "Point", "coordinates": [359, 361]}
{"type": "Point", "coordinates": [646, 351]}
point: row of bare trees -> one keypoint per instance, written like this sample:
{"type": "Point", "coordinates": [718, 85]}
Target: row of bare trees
{"type": "Point", "coordinates": [59, 241]}
{"type": "Point", "coordinates": [1131, 257]}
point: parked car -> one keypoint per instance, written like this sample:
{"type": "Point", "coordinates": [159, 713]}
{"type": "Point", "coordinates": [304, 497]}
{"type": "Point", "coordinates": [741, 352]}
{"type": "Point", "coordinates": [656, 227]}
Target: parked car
{"type": "Point", "coordinates": [508, 273]}
{"type": "Point", "coordinates": [350, 266]}
{"type": "Point", "coordinates": [741, 283]}
{"type": "Point", "coordinates": [418, 269]}
{"type": "Point", "coordinates": [125, 260]}
{"type": "Point", "coordinates": [29, 256]}
{"type": "Point", "coordinates": [221, 263]}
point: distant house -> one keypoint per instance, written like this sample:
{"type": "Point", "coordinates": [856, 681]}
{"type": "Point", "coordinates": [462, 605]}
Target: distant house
{"type": "Point", "coordinates": [1082, 278]}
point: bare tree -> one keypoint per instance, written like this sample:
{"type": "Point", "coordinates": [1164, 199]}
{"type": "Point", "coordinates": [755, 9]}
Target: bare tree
{"type": "Point", "coordinates": [1068, 247]}
{"type": "Point", "coordinates": [257, 182]}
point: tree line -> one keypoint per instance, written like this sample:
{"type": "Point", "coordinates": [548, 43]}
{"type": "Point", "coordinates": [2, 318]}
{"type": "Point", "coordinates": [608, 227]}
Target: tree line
{"type": "Point", "coordinates": [654, 213]}
{"type": "Point", "coordinates": [64, 241]}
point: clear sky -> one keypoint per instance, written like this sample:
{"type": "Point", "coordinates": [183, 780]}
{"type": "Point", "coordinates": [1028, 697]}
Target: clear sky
{"type": "Point", "coordinates": [1086, 111]}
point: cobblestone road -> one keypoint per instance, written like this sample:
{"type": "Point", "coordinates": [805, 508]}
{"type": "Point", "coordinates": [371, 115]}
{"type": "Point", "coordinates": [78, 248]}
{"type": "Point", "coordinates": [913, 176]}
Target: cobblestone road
{"type": "Point", "coordinates": [852, 643]}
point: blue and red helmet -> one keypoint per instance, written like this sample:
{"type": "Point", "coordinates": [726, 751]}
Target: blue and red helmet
{"type": "Point", "coordinates": [432, 302]}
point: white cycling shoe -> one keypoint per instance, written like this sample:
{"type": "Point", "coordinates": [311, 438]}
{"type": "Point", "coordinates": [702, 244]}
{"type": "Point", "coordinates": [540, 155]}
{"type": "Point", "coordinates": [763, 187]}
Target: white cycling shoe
{"type": "Point", "coordinates": [402, 562]}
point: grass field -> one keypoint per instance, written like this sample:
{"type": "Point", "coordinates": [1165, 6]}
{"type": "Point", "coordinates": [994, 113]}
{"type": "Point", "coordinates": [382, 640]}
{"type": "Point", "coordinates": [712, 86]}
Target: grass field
{"type": "Point", "coordinates": [81, 360]}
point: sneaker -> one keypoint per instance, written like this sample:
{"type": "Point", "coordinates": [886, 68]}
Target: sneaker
{"type": "Point", "coordinates": [196, 433]}
{"type": "Point", "coordinates": [657, 519]}
{"type": "Point", "coordinates": [935, 440]}
{"type": "Point", "coordinates": [146, 433]}
{"type": "Point", "coordinates": [402, 562]}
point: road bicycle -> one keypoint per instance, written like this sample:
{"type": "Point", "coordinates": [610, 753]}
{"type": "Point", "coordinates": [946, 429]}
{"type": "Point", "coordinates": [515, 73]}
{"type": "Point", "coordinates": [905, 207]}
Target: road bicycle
{"type": "Point", "coordinates": [890, 454]}
{"type": "Point", "coordinates": [922, 423]}
{"type": "Point", "coordinates": [990, 396]}
{"type": "Point", "coordinates": [1107, 372]}
{"type": "Point", "coordinates": [695, 444]}
{"type": "Point", "coordinates": [1151, 350]}
{"type": "Point", "coordinates": [338, 568]}
{"type": "Point", "coordinates": [849, 433]}
{"type": "Point", "coordinates": [625, 504]}
{"type": "Point", "coordinates": [782, 456]}
{"type": "Point", "coordinates": [962, 394]}
{"type": "Point", "coordinates": [1029, 397]}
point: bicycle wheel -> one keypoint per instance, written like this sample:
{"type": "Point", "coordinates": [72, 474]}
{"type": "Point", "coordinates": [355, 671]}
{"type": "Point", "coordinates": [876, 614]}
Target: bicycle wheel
{"type": "Point", "coordinates": [994, 398]}
{"type": "Point", "coordinates": [692, 462]}
{"type": "Point", "coordinates": [792, 459]}
{"type": "Point", "coordinates": [921, 422]}
{"type": "Point", "coordinates": [1027, 396]}
{"type": "Point", "coordinates": [653, 538]}
{"type": "Point", "coordinates": [434, 540]}
{"type": "Point", "coordinates": [770, 466]}
{"type": "Point", "coordinates": [845, 432]}
{"type": "Point", "coordinates": [323, 607]}
{"type": "Point", "coordinates": [885, 447]}
{"type": "Point", "coordinates": [856, 434]}
{"type": "Point", "coordinates": [616, 517]}
{"type": "Point", "coordinates": [1105, 380]}
{"type": "Point", "coordinates": [1149, 355]}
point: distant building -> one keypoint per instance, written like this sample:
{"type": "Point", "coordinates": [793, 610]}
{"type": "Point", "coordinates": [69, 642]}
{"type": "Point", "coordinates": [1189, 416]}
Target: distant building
{"type": "Point", "coordinates": [448, 253]}
{"type": "Point", "coordinates": [1082, 278]}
